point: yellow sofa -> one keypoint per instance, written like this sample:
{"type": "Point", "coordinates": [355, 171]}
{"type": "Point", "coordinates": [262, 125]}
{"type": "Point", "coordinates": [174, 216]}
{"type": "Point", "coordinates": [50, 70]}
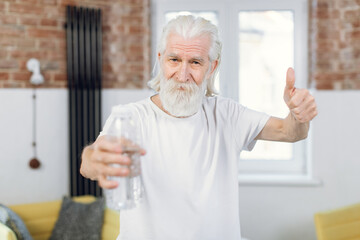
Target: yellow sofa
{"type": "Point", "coordinates": [338, 224]}
{"type": "Point", "coordinates": [40, 219]}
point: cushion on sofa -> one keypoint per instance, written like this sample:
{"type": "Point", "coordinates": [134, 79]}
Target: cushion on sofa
{"type": "Point", "coordinates": [39, 217]}
{"type": "Point", "coordinates": [6, 233]}
{"type": "Point", "coordinates": [79, 221]}
{"type": "Point", "coordinates": [9, 218]}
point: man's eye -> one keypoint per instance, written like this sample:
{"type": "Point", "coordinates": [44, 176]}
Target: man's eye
{"type": "Point", "coordinates": [196, 62]}
{"type": "Point", "coordinates": [173, 59]}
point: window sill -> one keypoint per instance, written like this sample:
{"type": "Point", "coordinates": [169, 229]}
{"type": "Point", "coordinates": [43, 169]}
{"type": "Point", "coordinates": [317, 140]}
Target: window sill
{"type": "Point", "coordinates": [276, 180]}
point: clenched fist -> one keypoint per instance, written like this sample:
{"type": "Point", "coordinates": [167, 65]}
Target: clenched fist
{"type": "Point", "coordinates": [98, 161]}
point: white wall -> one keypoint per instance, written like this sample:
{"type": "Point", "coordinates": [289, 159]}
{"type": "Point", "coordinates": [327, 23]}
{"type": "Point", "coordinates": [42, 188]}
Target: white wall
{"type": "Point", "coordinates": [267, 212]}
{"type": "Point", "coordinates": [18, 182]}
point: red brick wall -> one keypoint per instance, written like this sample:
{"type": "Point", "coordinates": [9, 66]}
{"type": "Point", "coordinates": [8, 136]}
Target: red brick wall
{"type": "Point", "coordinates": [335, 44]}
{"type": "Point", "coordinates": [35, 29]}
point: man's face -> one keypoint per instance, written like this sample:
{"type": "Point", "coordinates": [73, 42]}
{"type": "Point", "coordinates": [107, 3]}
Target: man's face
{"type": "Point", "coordinates": [185, 68]}
{"type": "Point", "coordinates": [186, 60]}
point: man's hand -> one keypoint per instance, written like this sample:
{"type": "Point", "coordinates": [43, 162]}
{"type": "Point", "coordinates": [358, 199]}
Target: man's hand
{"type": "Point", "coordinates": [98, 158]}
{"type": "Point", "coordinates": [295, 126]}
{"type": "Point", "coordinates": [300, 102]}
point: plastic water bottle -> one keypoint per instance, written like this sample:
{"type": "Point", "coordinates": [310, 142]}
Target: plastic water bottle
{"type": "Point", "coordinates": [130, 189]}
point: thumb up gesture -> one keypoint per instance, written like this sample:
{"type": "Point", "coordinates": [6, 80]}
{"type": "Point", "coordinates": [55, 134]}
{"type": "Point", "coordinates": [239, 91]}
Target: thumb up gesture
{"type": "Point", "coordinates": [299, 101]}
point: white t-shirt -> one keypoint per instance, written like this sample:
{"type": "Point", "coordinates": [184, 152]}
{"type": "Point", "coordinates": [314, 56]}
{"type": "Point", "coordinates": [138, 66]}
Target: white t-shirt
{"type": "Point", "coordinates": [190, 171]}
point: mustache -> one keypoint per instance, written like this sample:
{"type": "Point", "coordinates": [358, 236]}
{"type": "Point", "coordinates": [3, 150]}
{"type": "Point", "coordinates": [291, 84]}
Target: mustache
{"type": "Point", "coordinates": [174, 86]}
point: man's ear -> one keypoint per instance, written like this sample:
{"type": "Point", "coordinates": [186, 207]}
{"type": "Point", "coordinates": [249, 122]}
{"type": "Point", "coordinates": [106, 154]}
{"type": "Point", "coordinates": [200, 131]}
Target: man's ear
{"type": "Point", "coordinates": [213, 67]}
{"type": "Point", "coordinates": [214, 64]}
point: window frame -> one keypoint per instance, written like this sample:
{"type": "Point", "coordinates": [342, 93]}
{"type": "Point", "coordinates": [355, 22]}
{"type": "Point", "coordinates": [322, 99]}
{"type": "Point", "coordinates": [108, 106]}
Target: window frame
{"type": "Point", "coordinates": [252, 171]}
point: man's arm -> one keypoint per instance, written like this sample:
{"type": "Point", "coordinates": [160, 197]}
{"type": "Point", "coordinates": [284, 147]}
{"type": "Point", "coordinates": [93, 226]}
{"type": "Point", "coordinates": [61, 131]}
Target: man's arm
{"type": "Point", "coordinates": [295, 126]}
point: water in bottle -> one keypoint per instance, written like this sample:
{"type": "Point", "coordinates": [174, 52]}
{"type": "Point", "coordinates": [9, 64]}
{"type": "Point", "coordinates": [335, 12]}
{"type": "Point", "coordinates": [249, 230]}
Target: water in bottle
{"type": "Point", "coordinates": [130, 189]}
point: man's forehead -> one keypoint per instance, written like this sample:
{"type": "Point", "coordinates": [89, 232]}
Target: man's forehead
{"type": "Point", "coordinates": [197, 46]}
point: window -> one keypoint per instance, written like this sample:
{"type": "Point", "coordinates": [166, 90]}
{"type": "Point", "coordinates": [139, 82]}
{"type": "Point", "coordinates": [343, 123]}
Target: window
{"type": "Point", "coordinates": [261, 39]}
{"type": "Point", "coordinates": [265, 51]}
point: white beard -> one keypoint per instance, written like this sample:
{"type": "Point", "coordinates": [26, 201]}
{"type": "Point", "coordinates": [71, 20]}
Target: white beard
{"type": "Point", "coordinates": [181, 99]}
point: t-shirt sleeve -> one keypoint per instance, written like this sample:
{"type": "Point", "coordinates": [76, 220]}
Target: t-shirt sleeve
{"type": "Point", "coordinates": [246, 124]}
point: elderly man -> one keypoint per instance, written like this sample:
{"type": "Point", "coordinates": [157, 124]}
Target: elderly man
{"type": "Point", "coordinates": [193, 140]}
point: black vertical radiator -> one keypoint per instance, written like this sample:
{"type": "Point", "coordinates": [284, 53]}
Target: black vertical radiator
{"type": "Point", "coordinates": [84, 62]}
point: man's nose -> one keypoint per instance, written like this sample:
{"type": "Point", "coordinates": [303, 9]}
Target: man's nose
{"type": "Point", "coordinates": [184, 73]}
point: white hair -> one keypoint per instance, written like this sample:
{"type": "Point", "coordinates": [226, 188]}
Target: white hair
{"type": "Point", "coordinates": [189, 27]}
